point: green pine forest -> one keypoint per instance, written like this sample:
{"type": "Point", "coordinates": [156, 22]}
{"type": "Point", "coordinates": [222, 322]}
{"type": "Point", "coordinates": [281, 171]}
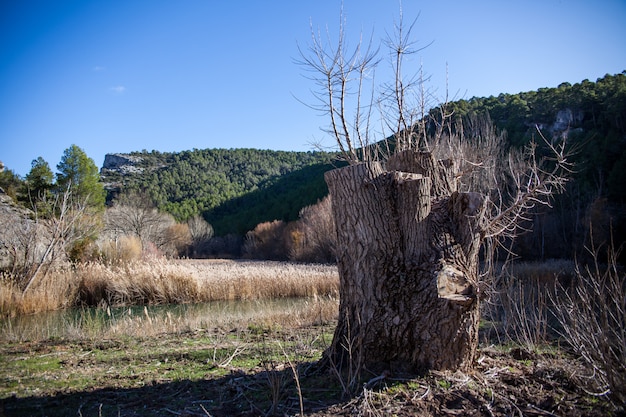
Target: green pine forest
{"type": "Point", "coordinates": [233, 189]}
{"type": "Point", "coordinates": [592, 115]}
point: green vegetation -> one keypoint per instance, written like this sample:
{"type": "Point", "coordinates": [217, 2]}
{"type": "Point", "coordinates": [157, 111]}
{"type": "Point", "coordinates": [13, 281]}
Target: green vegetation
{"type": "Point", "coordinates": [38, 186]}
{"type": "Point", "coordinates": [234, 189]}
{"type": "Point", "coordinates": [593, 114]}
{"type": "Point", "coordinates": [79, 174]}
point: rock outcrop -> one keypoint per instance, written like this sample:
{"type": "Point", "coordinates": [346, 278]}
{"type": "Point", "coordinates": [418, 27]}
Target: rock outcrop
{"type": "Point", "coordinates": [122, 163]}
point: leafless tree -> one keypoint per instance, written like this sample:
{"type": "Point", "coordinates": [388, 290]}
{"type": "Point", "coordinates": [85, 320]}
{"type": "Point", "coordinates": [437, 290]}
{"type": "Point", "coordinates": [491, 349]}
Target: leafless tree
{"type": "Point", "coordinates": [36, 244]}
{"type": "Point", "coordinates": [411, 222]}
{"type": "Point", "coordinates": [343, 92]}
{"type": "Point", "coordinates": [201, 232]}
{"type": "Point", "coordinates": [134, 213]}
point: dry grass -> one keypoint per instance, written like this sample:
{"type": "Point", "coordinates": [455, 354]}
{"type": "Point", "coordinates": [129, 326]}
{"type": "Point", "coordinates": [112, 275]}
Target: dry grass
{"type": "Point", "coordinates": [251, 280]}
{"type": "Point", "coordinates": [188, 281]}
{"type": "Point", "coordinates": [55, 291]}
{"type": "Point", "coordinates": [160, 281]}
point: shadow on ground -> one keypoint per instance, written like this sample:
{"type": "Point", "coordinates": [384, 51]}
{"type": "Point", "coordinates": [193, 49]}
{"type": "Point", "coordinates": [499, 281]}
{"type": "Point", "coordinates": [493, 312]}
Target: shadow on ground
{"type": "Point", "coordinates": [267, 392]}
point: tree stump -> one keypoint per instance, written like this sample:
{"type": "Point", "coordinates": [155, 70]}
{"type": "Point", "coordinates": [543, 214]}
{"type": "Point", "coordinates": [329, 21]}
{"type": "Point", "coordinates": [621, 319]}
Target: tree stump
{"type": "Point", "coordinates": [408, 247]}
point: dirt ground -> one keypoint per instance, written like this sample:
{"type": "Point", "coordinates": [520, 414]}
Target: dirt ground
{"type": "Point", "coordinates": [263, 373]}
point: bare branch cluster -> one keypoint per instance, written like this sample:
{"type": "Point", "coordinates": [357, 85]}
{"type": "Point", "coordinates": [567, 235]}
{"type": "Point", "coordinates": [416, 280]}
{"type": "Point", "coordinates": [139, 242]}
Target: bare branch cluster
{"type": "Point", "coordinates": [134, 214]}
{"type": "Point", "coordinates": [34, 245]}
{"type": "Point", "coordinates": [340, 74]}
{"type": "Point", "coordinates": [592, 315]}
{"type": "Point", "coordinates": [533, 181]}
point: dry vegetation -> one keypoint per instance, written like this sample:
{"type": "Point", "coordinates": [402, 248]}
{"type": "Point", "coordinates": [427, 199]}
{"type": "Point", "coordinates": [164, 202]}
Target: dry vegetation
{"type": "Point", "coordinates": [259, 369]}
{"type": "Point", "coordinates": [260, 358]}
{"type": "Point", "coordinates": [160, 281]}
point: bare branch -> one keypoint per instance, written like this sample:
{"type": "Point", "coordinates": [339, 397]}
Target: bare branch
{"type": "Point", "coordinates": [535, 181]}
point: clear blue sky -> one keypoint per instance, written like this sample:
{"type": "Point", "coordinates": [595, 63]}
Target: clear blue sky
{"type": "Point", "coordinates": [126, 75]}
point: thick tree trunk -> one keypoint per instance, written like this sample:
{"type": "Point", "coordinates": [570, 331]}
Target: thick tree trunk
{"type": "Point", "coordinates": [407, 254]}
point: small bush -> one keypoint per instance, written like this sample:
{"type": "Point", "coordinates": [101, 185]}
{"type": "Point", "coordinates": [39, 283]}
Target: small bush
{"type": "Point", "coordinates": [178, 240]}
{"type": "Point", "coordinates": [314, 238]}
{"type": "Point", "coordinates": [267, 241]}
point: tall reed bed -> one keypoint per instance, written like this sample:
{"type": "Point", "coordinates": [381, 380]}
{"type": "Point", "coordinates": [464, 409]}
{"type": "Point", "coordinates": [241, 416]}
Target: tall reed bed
{"type": "Point", "coordinates": [55, 291]}
{"type": "Point", "coordinates": [250, 280]}
{"type": "Point", "coordinates": [161, 281]}
{"type": "Point", "coordinates": [184, 281]}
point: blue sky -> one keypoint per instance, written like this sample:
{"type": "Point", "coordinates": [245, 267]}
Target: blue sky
{"type": "Point", "coordinates": [127, 75]}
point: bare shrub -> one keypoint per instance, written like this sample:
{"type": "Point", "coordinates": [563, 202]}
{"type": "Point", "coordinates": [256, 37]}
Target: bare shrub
{"type": "Point", "coordinates": [521, 301]}
{"type": "Point", "coordinates": [314, 238]}
{"type": "Point", "coordinates": [200, 232]}
{"type": "Point", "coordinates": [478, 152]}
{"type": "Point", "coordinates": [22, 246]}
{"type": "Point", "coordinates": [33, 246]}
{"type": "Point", "coordinates": [267, 241]}
{"type": "Point", "coordinates": [178, 240]}
{"type": "Point", "coordinates": [592, 316]}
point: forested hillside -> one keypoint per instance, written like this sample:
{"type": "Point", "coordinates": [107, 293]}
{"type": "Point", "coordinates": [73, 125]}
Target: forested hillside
{"type": "Point", "coordinates": [592, 115]}
{"type": "Point", "coordinates": [234, 189]}
{"type": "Point", "coordinates": [237, 189]}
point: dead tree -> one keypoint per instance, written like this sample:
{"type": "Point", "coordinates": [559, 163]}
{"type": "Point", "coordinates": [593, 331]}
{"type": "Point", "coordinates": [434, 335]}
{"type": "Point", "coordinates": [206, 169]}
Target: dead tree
{"type": "Point", "coordinates": [408, 237]}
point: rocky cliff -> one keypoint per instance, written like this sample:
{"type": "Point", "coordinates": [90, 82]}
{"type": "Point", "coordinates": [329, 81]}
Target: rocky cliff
{"type": "Point", "coordinates": [122, 163]}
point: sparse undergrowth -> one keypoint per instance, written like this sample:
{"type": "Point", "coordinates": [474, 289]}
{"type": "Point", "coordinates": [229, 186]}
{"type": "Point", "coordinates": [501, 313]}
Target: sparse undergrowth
{"type": "Point", "coordinates": [247, 372]}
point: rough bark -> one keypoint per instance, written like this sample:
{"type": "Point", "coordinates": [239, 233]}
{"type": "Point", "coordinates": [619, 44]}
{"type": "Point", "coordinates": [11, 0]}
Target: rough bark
{"type": "Point", "coordinates": [407, 255]}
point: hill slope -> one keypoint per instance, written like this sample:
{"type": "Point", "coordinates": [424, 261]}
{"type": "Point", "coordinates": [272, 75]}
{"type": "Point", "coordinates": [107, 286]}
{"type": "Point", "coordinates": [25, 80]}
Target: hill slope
{"type": "Point", "coordinates": [592, 116]}
{"type": "Point", "coordinates": [238, 188]}
{"type": "Point", "coordinates": [235, 189]}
